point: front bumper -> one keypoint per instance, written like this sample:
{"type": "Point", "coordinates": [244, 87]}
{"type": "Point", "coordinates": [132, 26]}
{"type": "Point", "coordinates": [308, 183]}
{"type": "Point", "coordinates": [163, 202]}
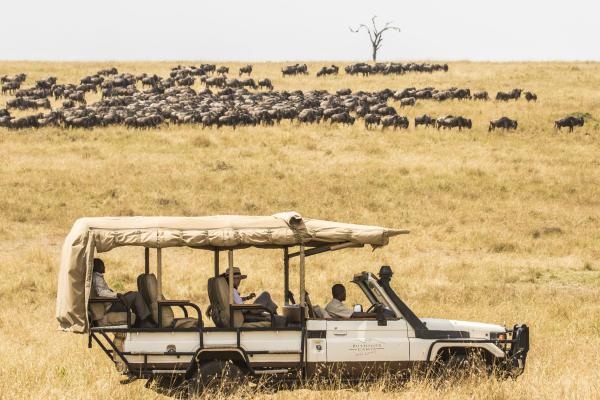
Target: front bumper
{"type": "Point", "coordinates": [516, 347]}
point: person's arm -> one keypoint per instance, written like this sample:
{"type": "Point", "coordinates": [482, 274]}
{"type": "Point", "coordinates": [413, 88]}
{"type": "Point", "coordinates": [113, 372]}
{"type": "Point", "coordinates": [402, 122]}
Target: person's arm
{"type": "Point", "coordinates": [249, 297]}
{"type": "Point", "coordinates": [102, 288]}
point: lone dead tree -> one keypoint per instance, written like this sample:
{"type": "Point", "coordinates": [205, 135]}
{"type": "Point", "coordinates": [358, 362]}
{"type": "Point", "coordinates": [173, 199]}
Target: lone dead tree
{"type": "Point", "coordinates": [376, 34]}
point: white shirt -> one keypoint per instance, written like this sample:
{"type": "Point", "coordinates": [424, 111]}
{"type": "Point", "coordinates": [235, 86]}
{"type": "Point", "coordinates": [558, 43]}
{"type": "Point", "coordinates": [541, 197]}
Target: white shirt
{"type": "Point", "coordinates": [336, 308]}
{"type": "Point", "coordinates": [101, 287]}
{"type": "Point", "coordinates": [237, 299]}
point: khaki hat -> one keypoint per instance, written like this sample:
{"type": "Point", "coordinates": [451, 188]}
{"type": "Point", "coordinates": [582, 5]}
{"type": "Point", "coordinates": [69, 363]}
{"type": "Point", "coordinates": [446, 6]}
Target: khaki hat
{"type": "Point", "coordinates": [236, 273]}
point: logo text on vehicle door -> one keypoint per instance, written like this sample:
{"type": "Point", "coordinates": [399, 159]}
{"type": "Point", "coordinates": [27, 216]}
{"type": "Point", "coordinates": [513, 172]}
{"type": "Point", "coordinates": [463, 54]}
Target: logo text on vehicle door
{"type": "Point", "coordinates": [366, 348]}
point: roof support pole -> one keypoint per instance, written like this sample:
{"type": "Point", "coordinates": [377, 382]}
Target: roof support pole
{"type": "Point", "coordinates": [216, 262]}
{"type": "Point", "coordinates": [302, 289]}
{"type": "Point", "coordinates": [286, 275]}
{"type": "Point", "coordinates": [230, 259]}
{"type": "Point", "coordinates": [159, 272]}
{"type": "Point", "coordinates": [146, 260]}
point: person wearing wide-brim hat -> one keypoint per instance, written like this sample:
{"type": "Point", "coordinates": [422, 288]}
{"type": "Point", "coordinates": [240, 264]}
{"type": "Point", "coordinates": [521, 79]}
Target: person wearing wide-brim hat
{"type": "Point", "coordinates": [263, 299]}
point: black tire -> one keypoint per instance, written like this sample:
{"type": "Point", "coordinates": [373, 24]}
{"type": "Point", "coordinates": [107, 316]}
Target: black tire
{"type": "Point", "coordinates": [218, 376]}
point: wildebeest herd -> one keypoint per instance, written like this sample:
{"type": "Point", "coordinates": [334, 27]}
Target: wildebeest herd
{"type": "Point", "coordinates": [147, 101]}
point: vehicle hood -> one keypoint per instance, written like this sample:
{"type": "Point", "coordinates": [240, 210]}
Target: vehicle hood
{"type": "Point", "coordinates": [476, 329]}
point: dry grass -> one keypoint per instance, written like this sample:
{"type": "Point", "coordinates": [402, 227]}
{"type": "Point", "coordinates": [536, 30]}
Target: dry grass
{"type": "Point", "coordinates": [504, 226]}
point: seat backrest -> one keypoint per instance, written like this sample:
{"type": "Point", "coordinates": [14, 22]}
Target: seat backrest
{"type": "Point", "coordinates": [97, 310]}
{"type": "Point", "coordinates": [148, 288]}
{"type": "Point", "coordinates": [218, 294]}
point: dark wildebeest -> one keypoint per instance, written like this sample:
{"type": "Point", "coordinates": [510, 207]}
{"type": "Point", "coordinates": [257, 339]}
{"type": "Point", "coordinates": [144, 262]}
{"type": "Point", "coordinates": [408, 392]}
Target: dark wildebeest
{"type": "Point", "coordinates": [372, 119]}
{"type": "Point", "coordinates": [308, 116]}
{"type": "Point", "coordinates": [409, 101]}
{"type": "Point", "coordinates": [450, 122]}
{"type": "Point", "coordinates": [530, 96]}
{"type": "Point", "coordinates": [265, 83]}
{"type": "Point", "coordinates": [569, 122]}
{"type": "Point", "coordinates": [514, 94]}
{"type": "Point", "coordinates": [333, 70]}
{"type": "Point", "coordinates": [10, 87]}
{"type": "Point", "coordinates": [481, 95]}
{"type": "Point", "coordinates": [395, 121]}
{"type": "Point", "coordinates": [223, 70]}
{"type": "Point", "coordinates": [246, 70]}
{"type": "Point", "coordinates": [424, 120]}
{"type": "Point", "coordinates": [503, 123]}
{"type": "Point", "coordinates": [343, 118]}
{"type": "Point", "coordinates": [249, 82]}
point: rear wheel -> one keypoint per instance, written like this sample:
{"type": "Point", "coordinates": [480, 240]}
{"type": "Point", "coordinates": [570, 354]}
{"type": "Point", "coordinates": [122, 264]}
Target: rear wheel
{"type": "Point", "coordinates": [216, 375]}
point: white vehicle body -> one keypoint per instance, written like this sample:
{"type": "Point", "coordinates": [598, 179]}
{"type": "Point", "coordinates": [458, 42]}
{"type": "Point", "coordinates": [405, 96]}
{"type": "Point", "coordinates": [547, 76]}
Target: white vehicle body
{"type": "Point", "coordinates": [304, 344]}
{"type": "Point", "coordinates": [352, 344]}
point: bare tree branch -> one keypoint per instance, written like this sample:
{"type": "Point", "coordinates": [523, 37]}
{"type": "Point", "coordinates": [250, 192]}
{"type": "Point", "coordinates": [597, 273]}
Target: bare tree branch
{"type": "Point", "coordinates": [376, 35]}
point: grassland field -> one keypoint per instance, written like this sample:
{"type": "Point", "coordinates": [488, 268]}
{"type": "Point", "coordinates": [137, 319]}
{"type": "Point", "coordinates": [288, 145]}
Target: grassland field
{"type": "Point", "coordinates": [505, 227]}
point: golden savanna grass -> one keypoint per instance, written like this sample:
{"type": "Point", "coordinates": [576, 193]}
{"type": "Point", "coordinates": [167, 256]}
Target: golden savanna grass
{"type": "Point", "coordinates": [505, 226]}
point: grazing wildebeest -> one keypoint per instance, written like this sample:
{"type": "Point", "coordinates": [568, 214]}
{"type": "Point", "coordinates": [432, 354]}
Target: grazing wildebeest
{"type": "Point", "coordinates": [481, 95]}
{"type": "Point", "coordinates": [246, 70]}
{"type": "Point", "coordinates": [295, 70]}
{"type": "Point", "coordinates": [372, 119]}
{"type": "Point", "coordinates": [308, 116]}
{"type": "Point", "coordinates": [530, 96]}
{"type": "Point", "coordinates": [289, 70]}
{"type": "Point", "coordinates": [78, 97]}
{"type": "Point", "coordinates": [503, 123]}
{"type": "Point", "coordinates": [409, 101]}
{"type": "Point", "coordinates": [249, 82]}
{"type": "Point", "coordinates": [30, 121]}
{"type": "Point", "coordinates": [10, 87]}
{"type": "Point", "coordinates": [569, 122]}
{"type": "Point", "coordinates": [333, 70]}
{"type": "Point", "coordinates": [450, 122]}
{"type": "Point", "coordinates": [223, 70]}
{"type": "Point", "coordinates": [216, 81]}
{"type": "Point", "coordinates": [343, 118]}
{"type": "Point", "coordinates": [359, 68]}
{"type": "Point", "coordinates": [514, 94]}
{"type": "Point", "coordinates": [302, 69]}
{"type": "Point", "coordinates": [186, 81]}
{"type": "Point", "coordinates": [424, 120]}
{"type": "Point", "coordinates": [265, 83]}
{"type": "Point", "coordinates": [150, 80]}
{"type": "Point", "coordinates": [395, 121]}
{"type": "Point", "coordinates": [108, 71]}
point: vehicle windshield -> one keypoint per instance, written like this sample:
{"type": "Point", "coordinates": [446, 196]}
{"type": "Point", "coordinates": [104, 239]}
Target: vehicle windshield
{"type": "Point", "coordinates": [378, 295]}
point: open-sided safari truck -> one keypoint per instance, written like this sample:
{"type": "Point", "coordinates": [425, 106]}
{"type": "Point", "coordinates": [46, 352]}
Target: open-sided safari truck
{"type": "Point", "coordinates": [302, 342]}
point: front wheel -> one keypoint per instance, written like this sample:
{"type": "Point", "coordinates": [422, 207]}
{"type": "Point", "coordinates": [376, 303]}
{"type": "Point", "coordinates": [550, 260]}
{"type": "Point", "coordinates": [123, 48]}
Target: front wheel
{"type": "Point", "coordinates": [216, 375]}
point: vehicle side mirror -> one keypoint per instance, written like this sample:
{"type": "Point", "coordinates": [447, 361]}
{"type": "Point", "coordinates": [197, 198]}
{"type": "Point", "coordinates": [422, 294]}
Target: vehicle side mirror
{"type": "Point", "coordinates": [358, 308]}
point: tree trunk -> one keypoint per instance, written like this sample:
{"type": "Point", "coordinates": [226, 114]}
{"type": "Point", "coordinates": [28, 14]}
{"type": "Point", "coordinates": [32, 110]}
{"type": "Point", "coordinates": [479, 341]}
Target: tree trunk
{"type": "Point", "coordinates": [374, 54]}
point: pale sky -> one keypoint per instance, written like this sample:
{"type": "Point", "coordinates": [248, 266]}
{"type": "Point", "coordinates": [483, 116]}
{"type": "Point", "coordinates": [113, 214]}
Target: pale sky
{"type": "Point", "coordinates": [271, 30]}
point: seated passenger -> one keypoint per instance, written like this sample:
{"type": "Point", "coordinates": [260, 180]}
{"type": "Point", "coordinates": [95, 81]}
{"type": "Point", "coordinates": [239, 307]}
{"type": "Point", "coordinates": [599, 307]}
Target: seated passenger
{"type": "Point", "coordinates": [263, 299]}
{"type": "Point", "coordinates": [134, 299]}
{"type": "Point", "coordinates": [337, 309]}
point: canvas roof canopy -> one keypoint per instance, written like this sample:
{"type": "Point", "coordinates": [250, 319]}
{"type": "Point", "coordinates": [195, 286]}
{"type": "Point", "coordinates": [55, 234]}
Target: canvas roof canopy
{"type": "Point", "coordinates": [101, 234]}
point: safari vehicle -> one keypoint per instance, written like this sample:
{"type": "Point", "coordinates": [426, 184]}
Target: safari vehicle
{"type": "Point", "coordinates": [301, 343]}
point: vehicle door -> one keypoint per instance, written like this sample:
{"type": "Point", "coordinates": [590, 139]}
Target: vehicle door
{"type": "Point", "coordinates": [366, 340]}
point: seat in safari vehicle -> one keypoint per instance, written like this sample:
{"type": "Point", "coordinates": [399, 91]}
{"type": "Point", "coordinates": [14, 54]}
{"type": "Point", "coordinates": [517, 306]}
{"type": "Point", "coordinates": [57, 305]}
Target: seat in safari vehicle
{"type": "Point", "coordinates": [218, 294]}
{"type": "Point", "coordinates": [100, 314]}
{"type": "Point", "coordinates": [148, 288]}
